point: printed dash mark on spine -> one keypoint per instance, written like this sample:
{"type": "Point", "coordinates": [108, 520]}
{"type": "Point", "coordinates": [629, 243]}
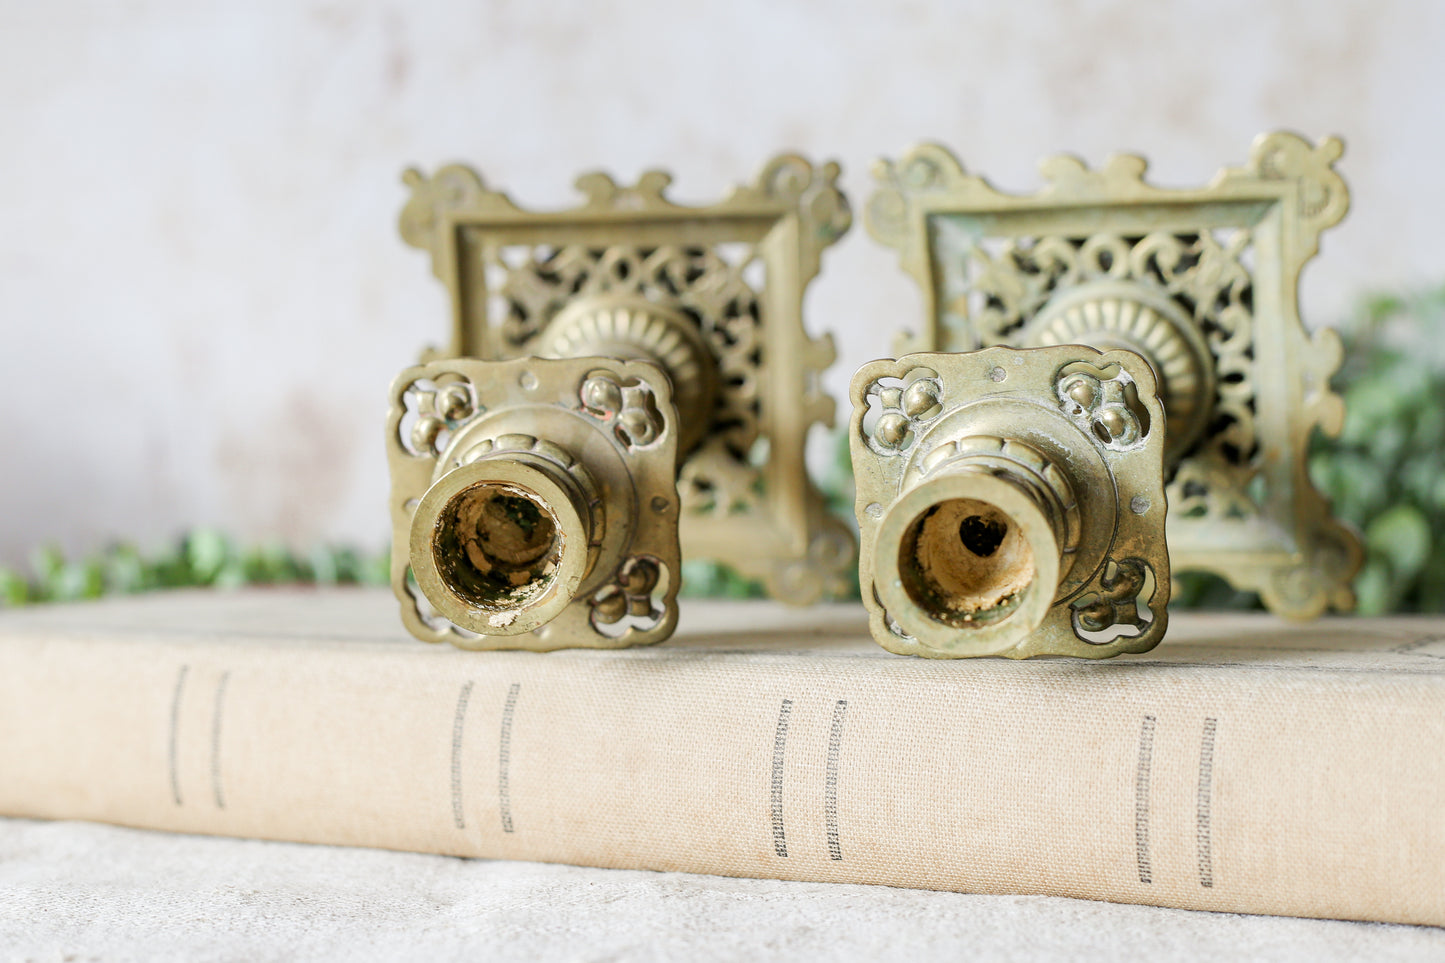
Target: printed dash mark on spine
{"type": "Point", "coordinates": [458, 725]}
{"type": "Point", "coordinates": [173, 749]}
{"type": "Point", "coordinates": [780, 742]}
{"type": "Point", "coordinates": [1205, 803]}
{"type": "Point", "coordinates": [1141, 798]}
{"type": "Point", "coordinates": [504, 789]}
{"type": "Point", "coordinates": [216, 740]}
{"type": "Point", "coordinates": [830, 791]}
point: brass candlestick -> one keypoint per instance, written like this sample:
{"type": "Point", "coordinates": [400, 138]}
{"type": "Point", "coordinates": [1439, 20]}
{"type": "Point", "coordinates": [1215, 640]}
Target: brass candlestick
{"type": "Point", "coordinates": [713, 294]}
{"type": "Point", "coordinates": [533, 502]}
{"type": "Point", "coordinates": [1203, 283]}
{"type": "Point", "coordinates": [1011, 502]}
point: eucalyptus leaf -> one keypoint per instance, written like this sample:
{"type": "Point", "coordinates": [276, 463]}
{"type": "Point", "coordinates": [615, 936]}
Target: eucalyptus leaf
{"type": "Point", "coordinates": [1402, 535]}
{"type": "Point", "coordinates": [1374, 592]}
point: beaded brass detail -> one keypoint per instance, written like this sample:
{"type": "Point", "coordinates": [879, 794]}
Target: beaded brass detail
{"type": "Point", "coordinates": [1201, 283]}
{"type": "Point", "coordinates": [634, 328]}
{"type": "Point", "coordinates": [1108, 315]}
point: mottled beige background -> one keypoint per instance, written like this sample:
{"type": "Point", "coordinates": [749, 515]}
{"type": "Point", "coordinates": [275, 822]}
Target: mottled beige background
{"type": "Point", "coordinates": [202, 291]}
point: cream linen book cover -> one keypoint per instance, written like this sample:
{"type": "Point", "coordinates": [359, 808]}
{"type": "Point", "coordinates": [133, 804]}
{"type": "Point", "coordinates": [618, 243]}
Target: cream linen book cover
{"type": "Point", "coordinates": [1247, 764]}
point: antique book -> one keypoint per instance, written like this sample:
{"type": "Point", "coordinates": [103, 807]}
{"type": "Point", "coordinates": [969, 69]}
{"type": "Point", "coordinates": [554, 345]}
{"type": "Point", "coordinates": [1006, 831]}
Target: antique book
{"type": "Point", "coordinates": [1246, 765]}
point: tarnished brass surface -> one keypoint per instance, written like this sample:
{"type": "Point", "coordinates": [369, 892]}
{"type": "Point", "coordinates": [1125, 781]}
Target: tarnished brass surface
{"type": "Point", "coordinates": [712, 294]}
{"type": "Point", "coordinates": [1202, 283]}
{"type": "Point", "coordinates": [533, 503]}
{"type": "Point", "coordinates": [1011, 502]}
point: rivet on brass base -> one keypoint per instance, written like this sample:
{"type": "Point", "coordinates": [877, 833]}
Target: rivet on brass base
{"type": "Point", "coordinates": [1011, 502]}
{"type": "Point", "coordinates": [533, 503]}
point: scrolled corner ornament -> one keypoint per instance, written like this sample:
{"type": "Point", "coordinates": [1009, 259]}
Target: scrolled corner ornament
{"type": "Point", "coordinates": [1203, 284]}
{"type": "Point", "coordinates": [711, 294]}
{"type": "Point", "coordinates": [1011, 502]}
{"type": "Point", "coordinates": [533, 503]}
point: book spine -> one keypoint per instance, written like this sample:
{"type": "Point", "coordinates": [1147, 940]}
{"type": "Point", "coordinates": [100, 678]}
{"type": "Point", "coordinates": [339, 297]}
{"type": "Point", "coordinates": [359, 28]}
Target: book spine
{"type": "Point", "coordinates": [1237, 788]}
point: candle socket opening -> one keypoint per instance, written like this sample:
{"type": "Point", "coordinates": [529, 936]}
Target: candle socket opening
{"type": "Point", "coordinates": [498, 548]}
{"type": "Point", "coordinates": [966, 563]}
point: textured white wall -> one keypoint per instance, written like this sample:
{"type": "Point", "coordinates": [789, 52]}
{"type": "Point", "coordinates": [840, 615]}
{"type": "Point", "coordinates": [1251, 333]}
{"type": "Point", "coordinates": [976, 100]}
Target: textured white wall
{"type": "Point", "coordinates": [202, 292]}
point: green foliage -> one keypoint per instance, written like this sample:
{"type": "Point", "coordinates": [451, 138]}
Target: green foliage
{"type": "Point", "coordinates": [1386, 471]}
{"type": "Point", "coordinates": [204, 558]}
{"type": "Point", "coordinates": [706, 579]}
{"type": "Point", "coordinates": [1205, 590]}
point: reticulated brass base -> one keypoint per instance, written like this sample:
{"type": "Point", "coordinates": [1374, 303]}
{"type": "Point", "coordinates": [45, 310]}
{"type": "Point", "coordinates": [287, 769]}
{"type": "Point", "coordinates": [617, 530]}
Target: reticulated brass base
{"type": "Point", "coordinates": [533, 503]}
{"type": "Point", "coordinates": [1203, 283]}
{"type": "Point", "coordinates": [1011, 502]}
{"type": "Point", "coordinates": [712, 294]}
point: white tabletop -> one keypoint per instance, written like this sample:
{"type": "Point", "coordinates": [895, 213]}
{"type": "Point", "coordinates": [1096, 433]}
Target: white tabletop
{"type": "Point", "coordinates": [83, 891]}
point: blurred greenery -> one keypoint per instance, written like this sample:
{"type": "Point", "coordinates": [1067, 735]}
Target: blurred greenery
{"type": "Point", "coordinates": [204, 558]}
{"type": "Point", "coordinates": [1385, 474]}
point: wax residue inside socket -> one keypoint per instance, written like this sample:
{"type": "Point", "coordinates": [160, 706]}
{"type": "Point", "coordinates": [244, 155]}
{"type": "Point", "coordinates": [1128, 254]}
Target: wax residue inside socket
{"type": "Point", "coordinates": [965, 563]}
{"type": "Point", "coordinates": [497, 547]}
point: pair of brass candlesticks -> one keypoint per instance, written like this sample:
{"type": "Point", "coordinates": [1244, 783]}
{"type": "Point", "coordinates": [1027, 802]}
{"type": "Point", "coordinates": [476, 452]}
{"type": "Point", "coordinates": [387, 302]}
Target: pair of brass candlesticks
{"type": "Point", "coordinates": [1101, 364]}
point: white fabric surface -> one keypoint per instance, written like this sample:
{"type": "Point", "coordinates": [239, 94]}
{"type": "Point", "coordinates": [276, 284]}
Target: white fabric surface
{"type": "Point", "coordinates": [80, 891]}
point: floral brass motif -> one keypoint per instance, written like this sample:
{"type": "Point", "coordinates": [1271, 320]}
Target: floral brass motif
{"type": "Point", "coordinates": [1011, 502]}
{"type": "Point", "coordinates": [534, 503]}
{"type": "Point", "coordinates": [1202, 283]}
{"type": "Point", "coordinates": [711, 294]}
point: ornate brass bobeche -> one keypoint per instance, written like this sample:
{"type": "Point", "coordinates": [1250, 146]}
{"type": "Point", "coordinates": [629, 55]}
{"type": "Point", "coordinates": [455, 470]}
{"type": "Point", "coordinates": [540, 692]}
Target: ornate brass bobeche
{"type": "Point", "coordinates": [711, 294]}
{"type": "Point", "coordinates": [1011, 502]}
{"type": "Point", "coordinates": [1202, 283]}
{"type": "Point", "coordinates": [533, 502]}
